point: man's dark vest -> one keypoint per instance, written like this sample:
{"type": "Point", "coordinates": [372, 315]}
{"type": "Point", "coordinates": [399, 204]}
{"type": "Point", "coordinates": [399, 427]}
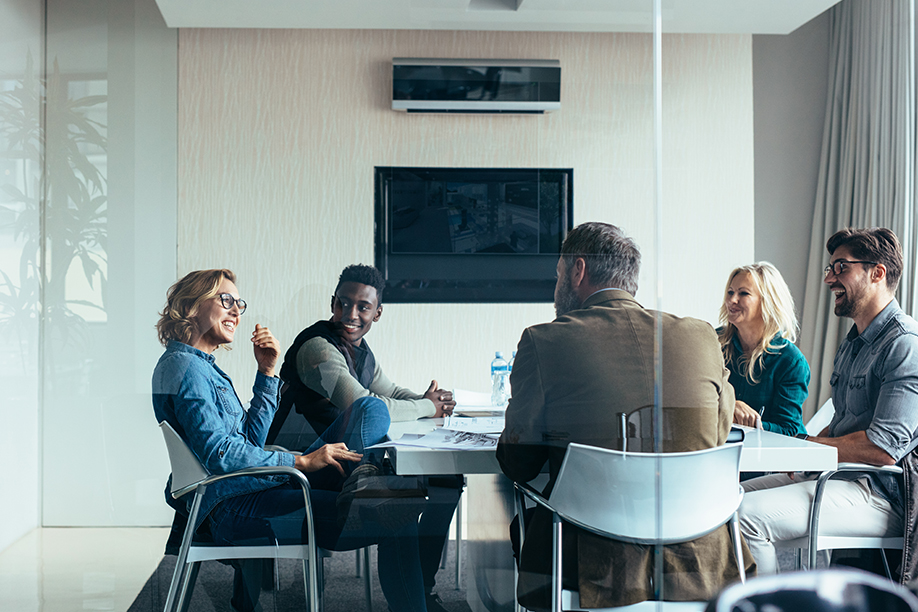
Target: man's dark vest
{"type": "Point", "coordinates": [318, 409]}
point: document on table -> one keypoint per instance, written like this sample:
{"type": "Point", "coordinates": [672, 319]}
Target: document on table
{"type": "Point", "coordinates": [482, 425]}
{"type": "Point", "coordinates": [474, 403]}
{"type": "Point", "coordinates": [444, 439]}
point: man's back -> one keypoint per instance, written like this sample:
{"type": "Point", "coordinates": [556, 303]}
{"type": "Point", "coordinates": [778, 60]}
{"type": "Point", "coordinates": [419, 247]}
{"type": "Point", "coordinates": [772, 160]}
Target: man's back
{"type": "Point", "coordinates": [570, 381]}
{"type": "Point", "coordinates": [580, 371]}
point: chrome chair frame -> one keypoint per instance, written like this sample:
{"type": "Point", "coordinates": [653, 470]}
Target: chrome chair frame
{"type": "Point", "coordinates": [190, 476]}
{"type": "Point", "coordinates": [814, 542]}
{"type": "Point", "coordinates": [580, 459]}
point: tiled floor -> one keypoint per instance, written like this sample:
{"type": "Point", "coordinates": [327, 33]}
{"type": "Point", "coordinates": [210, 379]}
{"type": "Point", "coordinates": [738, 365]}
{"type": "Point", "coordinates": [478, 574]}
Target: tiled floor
{"type": "Point", "coordinates": [70, 569]}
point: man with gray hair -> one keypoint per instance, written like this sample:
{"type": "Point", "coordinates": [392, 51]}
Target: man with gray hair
{"type": "Point", "coordinates": [570, 381]}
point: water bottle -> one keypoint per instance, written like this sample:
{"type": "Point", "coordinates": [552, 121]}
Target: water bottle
{"type": "Point", "coordinates": [500, 380]}
{"type": "Point", "coordinates": [510, 365]}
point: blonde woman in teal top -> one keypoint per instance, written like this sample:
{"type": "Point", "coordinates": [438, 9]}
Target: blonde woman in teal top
{"type": "Point", "coordinates": [758, 329]}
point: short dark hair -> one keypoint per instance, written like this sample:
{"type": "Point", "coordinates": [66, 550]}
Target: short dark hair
{"type": "Point", "coordinates": [365, 275]}
{"type": "Point", "coordinates": [612, 258]}
{"type": "Point", "coordinates": [877, 244]}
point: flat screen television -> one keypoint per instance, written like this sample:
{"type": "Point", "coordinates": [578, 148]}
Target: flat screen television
{"type": "Point", "coordinates": [471, 234]}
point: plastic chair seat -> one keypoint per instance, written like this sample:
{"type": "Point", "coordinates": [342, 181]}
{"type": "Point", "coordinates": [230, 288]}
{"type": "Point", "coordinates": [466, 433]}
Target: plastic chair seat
{"type": "Point", "coordinates": [570, 601]}
{"type": "Point", "coordinates": [615, 494]}
{"type": "Point", "coordinates": [190, 477]}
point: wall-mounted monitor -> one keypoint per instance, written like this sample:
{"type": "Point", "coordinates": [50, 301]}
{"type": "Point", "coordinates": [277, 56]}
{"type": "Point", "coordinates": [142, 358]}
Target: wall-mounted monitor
{"type": "Point", "coordinates": [471, 234]}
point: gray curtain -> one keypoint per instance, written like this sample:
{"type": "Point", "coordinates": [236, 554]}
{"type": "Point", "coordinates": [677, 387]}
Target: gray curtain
{"type": "Point", "coordinates": [867, 162]}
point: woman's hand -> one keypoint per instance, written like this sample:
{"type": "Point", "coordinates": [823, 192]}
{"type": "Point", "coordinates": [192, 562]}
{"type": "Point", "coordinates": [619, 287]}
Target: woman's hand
{"type": "Point", "coordinates": [267, 350]}
{"type": "Point", "coordinates": [330, 454]}
{"type": "Point", "coordinates": [743, 414]}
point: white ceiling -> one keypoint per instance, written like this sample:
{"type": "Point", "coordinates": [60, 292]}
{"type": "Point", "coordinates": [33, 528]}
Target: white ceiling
{"type": "Point", "coordinates": [688, 16]}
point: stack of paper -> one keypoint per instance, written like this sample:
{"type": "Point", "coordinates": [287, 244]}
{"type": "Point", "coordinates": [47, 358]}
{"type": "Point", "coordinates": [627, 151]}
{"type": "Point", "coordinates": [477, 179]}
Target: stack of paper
{"type": "Point", "coordinates": [482, 425]}
{"type": "Point", "coordinates": [444, 439]}
{"type": "Point", "coordinates": [473, 403]}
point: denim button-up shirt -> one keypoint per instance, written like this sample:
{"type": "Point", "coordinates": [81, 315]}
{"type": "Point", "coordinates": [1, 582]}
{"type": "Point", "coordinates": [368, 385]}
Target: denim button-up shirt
{"type": "Point", "coordinates": [197, 398]}
{"type": "Point", "coordinates": [875, 387]}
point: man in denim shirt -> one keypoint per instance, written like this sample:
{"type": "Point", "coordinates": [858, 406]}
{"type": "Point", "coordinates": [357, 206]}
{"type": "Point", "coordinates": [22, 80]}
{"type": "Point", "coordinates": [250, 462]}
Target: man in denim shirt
{"type": "Point", "coordinates": [875, 393]}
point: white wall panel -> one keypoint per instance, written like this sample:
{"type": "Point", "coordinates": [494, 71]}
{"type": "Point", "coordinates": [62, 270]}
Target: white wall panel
{"type": "Point", "coordinates": [279, 132]}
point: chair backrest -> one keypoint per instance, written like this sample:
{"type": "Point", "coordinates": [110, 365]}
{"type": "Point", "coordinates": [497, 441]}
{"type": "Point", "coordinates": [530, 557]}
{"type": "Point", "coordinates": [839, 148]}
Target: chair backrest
{"type": "Point", "coordinates": [187, 471]}
{"type": "Point", "coordinates": [618, 495]}
{"type": "Point", "coordinates": [821, 419]}
{"type": "Point", "coordinates": [637, 427]}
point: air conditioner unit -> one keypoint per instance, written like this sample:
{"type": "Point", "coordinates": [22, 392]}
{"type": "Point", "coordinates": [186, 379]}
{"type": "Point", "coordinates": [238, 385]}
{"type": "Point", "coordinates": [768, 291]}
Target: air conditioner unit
{"type": "Point", "coordinates": [476, 86]}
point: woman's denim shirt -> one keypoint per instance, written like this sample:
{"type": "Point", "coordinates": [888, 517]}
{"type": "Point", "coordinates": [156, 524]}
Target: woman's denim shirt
{"type": "Point", "coordinates": [197, 398]}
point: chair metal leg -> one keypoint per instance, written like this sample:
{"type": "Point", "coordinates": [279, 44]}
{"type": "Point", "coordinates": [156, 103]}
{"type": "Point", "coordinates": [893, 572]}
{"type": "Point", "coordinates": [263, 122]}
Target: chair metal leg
{"type": "Point", "coordinates": [738, 548]}
{"type": "Point", "coordinates": [189, 577]}
{"type": "Point", "coordinates": [556, 563]}
{"type": "Point", "coordinates": [886, 563]}
{"type": "Point", "coordinates": [178, 576]}
{"type": "Point", "coordinates": [367, 580]}
{"type": "Point", "coordinates": [317, 593]}
{"type": "Point", "coordinates": [459, 544]}
{"type": "Point", "coordinates": [357, 562]}
{"type": "Point", "coordinates": [192, 580]}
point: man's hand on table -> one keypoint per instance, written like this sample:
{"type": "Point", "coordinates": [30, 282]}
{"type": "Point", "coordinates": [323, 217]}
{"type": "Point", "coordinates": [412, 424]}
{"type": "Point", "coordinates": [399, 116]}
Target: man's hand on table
{"type": "Point", "coordinates": [442, 400]}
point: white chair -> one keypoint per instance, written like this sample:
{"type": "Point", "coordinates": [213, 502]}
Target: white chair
{"type": "Point", "coordinates": [815, 541]}
{"type": "Point", "coordinates": [189, 476]}
{"type": "Point", "coordinates": [819, 591]}
{"type": "Point", "coordinates": [620, 495]}
{"type": "Point", "coordinates": [821, 419]}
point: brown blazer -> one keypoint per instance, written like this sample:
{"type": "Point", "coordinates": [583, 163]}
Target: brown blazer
{"type": "Point", "coordinates": [570, 380]}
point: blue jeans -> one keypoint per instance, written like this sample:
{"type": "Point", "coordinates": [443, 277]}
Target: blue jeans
{"type": "Point", "coordinates": [277, 514]}
{"type": "Point", "coordinates": [364, 424]}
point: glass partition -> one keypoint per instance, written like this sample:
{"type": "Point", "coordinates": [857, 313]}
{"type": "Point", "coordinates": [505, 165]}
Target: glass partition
{"type": "Point", "coordinates": [138, 153]}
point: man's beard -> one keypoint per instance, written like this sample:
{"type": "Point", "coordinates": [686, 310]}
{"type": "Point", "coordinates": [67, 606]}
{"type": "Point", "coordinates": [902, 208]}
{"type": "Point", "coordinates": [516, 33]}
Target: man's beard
{"type": "Point", "coordinates": [848, 306]}
{"type": "Point", "coordinates": [844, 308]}
{"type": "Point", "coordinates": [566, 299]}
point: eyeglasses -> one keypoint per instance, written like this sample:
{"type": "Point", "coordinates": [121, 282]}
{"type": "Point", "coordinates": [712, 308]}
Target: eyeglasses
{"type": "Point", "coordinates": [228, 301]}
{"type": "Point", "coordinates": [838, 267]}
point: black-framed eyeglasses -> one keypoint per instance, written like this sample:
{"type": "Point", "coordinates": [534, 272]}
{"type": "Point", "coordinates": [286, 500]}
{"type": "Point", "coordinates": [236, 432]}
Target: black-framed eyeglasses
{"type": "Point", "coordinates": [838, 267]}
{"type": "Point", "coordinates": [228, 301]}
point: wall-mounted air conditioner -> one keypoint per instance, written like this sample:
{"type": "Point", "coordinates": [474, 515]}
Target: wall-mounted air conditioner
{"type": "Point", "coordinates": [476, 86]}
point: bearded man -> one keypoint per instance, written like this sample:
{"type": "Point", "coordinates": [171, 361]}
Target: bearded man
{"type": "Point", "coordinates": [570, 380]}
{"type": "Point", "coordinates": [875, 394]}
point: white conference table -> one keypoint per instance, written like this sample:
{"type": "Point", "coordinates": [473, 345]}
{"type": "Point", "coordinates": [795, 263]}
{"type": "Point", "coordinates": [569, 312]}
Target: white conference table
{"type": "Point", "coordinates": [763, 451]}
{"type": "Point", "coordinates": [489, 575]}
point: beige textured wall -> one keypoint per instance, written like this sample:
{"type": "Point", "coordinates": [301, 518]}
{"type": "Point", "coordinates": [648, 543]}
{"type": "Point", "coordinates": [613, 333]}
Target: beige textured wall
{"type": "Point", "coordinates": [279, 131]}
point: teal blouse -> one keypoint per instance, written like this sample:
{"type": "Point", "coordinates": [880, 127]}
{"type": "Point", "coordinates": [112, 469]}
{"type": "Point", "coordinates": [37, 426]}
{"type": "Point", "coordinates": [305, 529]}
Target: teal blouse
{"type": "Point", "coordinates": [782, 386]}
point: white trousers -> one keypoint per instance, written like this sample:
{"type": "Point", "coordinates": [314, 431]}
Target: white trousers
{"type": "Point", "coordinates": [777, 508]}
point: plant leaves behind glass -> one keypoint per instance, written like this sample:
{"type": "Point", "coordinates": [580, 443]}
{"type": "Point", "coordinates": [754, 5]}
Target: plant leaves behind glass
{"type": "Point", "coordinates": [75, 198]}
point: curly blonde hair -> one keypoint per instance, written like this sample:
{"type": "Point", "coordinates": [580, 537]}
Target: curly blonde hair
{"type": "Point", "coordinates": [183, 300]}
{"type": "Point", "coordinates": [777, 313]}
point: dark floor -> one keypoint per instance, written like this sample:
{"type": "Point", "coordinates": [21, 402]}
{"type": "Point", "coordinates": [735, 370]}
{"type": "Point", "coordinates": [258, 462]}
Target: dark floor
{"type": "Point", "coordinates": [344, 590]}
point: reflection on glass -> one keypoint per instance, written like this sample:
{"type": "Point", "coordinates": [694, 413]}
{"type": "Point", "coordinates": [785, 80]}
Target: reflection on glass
{"type": "Point", "coordinates": [20, 194]}
{"type": "Point", "coordinates": [74, 192]}
{"type": "Point", "coordinates": [77, 204]}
